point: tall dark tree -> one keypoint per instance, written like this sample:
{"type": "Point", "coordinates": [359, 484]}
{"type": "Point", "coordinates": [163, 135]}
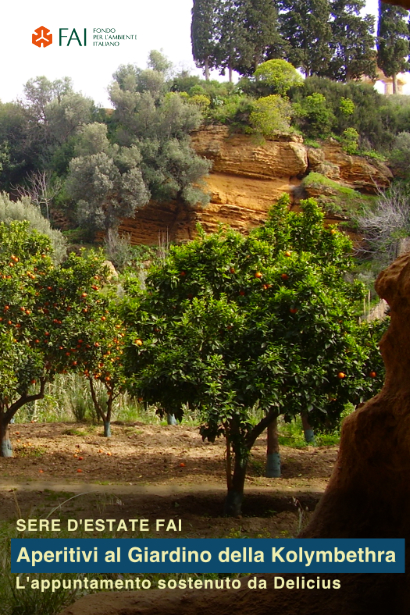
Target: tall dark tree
{"type": "Point", "coordinates": [234, 47]}
{"type": "Point", "coordinates": [262, 38]}
{"type": "Point", "coordinates": [392, 41]}
{"type": "Point", "coordinates": [304, 24]}
{"type": "Point", "coordinates": [203, 34]}
{"type": "Point", "coordinates": [352, 45]}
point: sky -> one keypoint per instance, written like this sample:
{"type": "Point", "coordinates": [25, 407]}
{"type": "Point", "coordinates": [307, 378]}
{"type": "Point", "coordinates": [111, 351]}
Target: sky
{"type": "Point", "coordinates": [153, 24]}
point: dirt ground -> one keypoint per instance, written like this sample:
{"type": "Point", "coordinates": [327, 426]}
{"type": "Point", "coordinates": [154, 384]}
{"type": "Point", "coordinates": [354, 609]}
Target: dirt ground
{"type": "Point", "coordinates": [155, 471]}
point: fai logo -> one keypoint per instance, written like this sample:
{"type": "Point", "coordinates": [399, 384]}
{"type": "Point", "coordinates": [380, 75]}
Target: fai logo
{"type": "Point", "coordinates": [42, 37]}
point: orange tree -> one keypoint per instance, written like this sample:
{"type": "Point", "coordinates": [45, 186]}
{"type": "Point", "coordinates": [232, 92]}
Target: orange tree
{"type": "Point", "coordinates": [231, 323]}
{"type": "Point", "coordinates": [105, 363]}
{"type": "Point", "coordinates": [50, 317]}
{"type": "Point", "coordinates": [85, 331]}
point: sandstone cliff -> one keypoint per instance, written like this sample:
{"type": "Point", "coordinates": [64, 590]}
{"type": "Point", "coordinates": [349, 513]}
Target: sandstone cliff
{"type": "Point", "coordinates": [247, 176]}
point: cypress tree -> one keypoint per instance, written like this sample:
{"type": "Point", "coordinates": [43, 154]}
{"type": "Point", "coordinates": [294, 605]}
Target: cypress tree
{"type": "Point", "coordinates": [203, 34]}
{"type": "Point", "coordinates": [261, 35]}
{"type": "Point", "coordinates": [352, 45]}
{"type": "Point", "coordinates": [392, 41]}
{"type": "Point", "coordinates": [304, 24]}
{"type": "Point", "coordinates": [234, 49]}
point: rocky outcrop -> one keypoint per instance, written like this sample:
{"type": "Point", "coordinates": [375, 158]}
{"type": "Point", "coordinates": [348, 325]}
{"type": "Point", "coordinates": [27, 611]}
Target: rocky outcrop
{"type": "Point", "coordinates": [367, 175]}
{"type": "Point", "coordinates": [243, 155]}
{"type": "Point", "coordinates": [248, 175]}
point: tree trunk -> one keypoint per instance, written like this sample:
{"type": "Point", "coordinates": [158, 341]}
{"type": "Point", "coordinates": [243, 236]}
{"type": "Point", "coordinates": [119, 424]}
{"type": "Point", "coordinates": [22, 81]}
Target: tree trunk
{"type": "Point", "coordinates": [206, 69]}
{"type": "Point", "coordinates": [307, 429]}
{"type": "Point", "coordinates": [234, 498]}
{"type": "Point", "coordinates": [6, 448]}
{"type": "Point", "coordinates": [272, 452]}
{"type": "Point", "coordinates": [230, 73]}
{"type": "Point", "coordinates": [394, 84]}
{"type": "Point", "coordinates": [107, 429]}
{"type": "Point", "coordinates": [171, 420]}
{"type": "Point", "coordinates": [367, 497]}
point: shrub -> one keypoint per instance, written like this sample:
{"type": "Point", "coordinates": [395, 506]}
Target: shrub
{"type": "Point", "coordinates": [315, 115]}
{"type": "Point", "coordinates": [270, 115]}
{"type": "Point", "coordinates": [384, 225]}
{"type": "Point", "coordinates": [279, 75]}
{"type": "Point", "coordinates": [400, 154]}
{"type": "Point", "coordinates": [350, 140]}
{"type": "Point", "coordinates": [346, 106]}
{"type": "Point", "coordinates": [200, 100]}
{"type": "Point", "coordinates": [24, 210]}
{"type": "Point", "coordinates": [231, 111]}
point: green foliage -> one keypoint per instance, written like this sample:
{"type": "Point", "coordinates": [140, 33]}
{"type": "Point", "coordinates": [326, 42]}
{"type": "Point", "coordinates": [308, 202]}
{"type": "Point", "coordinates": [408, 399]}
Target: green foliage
{"type": "Point", "coordinates": [270, 115]}
{"type": "Point", "coordinates": [336, 198]}
{"type": "Point", "coordinates": [231, 321]}
{"type": "Point", "coordinates": [233, 35]}
{"type": "Point", "coordinates": [24, 210]}
{"type": "Point", "coordinates": [305, 26]}
{"type": "Point", "coordinates": [67, 113]}
{"type": "Point", "coordinates": [203, 34]}
{"type": "Point", "coordinates": [200, 100]}
{"type": "Point", "coordinates": [106, 187]}
{"type": "Point", "coordinates": [279, 75]}
{"type": "Point", "coordinates": [400, 155]}
{"type": "Point", "coordinates": [160, 132]}
{"type": "Point", "coordinates": [376, 118]}
{"type": "Point", "coordinates": [52, 319]}
{"type": "Point", "coordinates": [392, 41]}
{"type": "Point", "coordinates": [315, 115]}
{"type": "Point", "coordinates": [352, 42]}
{"type": "Point", "coordinates": [350, 140]}
{"type": "Point", "coordinates": [347, 106]}
{"type": "Point", "coordinates": [158, 62]}
{"type": "Point", "coordinates": [233, 110]}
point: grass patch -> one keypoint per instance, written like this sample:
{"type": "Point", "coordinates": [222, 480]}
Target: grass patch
{"type": "Point", "coordinates": [333, 197]}
{"type": "Point", "coordinates": [32, 452]}
{"type": "Point", "coordinates": [75, 432]}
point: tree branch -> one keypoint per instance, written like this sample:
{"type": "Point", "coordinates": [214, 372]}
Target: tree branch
{"type": "Point", "coordinates": [261, 426]}
{"type": "Point", "coordinates": [24, 399]}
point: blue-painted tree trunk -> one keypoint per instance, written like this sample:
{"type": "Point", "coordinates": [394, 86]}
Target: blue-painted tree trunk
{"type": "Point", "coordinates": [6, 449]}
{"type": "Point", "coordinates": [171, 420]}
{"type": "Point", "coordinates": [273, 469]}
{"type": "Point", "coordinates": [307, 430]}
{"type": "Point", "coordinates": [107, 429]}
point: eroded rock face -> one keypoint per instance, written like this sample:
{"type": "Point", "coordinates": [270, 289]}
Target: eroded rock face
{"type": "Point", "coordinates": [357, 172]}
{"type": "Point", "coordinates": [240, 154]}
{"type": "Point", "coordinates": [247, 177]}
{"type": "Point", "coordinates": [368, 496]}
